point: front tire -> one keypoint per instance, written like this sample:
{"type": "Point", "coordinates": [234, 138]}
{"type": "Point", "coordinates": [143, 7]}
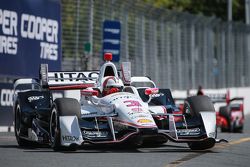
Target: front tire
{"type": "Point", "coordinates": [193, 106]}
{"type": "Point", "coordinates": [61, 107]}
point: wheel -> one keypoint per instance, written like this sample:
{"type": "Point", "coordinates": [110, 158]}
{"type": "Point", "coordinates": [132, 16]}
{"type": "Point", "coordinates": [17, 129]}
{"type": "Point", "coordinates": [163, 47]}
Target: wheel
{"type": "Point", "coordinates": [61, 107]}
{"type": "Point", "coordinates": [196, 104]}
{"type": "Point", "coordinates": [202, 145]}
{"type": "Point", "coordinates": [193, 106]}
{"type": "Point", "coordinates": [18, 128]}
{"type": "Point", "coordinates": [238, 130]}
{"type": "Point", "coordinates": [223, 112]}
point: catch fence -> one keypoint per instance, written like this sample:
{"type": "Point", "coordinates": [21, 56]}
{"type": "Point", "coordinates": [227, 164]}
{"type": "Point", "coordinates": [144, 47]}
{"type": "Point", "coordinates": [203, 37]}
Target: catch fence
{"type": "Point", "coordinates": [177, 50]}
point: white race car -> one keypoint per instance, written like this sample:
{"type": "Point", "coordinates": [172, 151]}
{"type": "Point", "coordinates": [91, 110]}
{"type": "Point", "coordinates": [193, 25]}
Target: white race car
{"type": "Point", "coordinates": [112, 109]}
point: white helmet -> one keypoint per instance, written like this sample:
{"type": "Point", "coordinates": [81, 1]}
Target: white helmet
{"type": "Point", "coordinates": [109, 83]}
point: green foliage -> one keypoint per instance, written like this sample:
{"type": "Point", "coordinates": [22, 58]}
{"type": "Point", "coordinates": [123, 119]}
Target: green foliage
{"type": "Point", "coordinates": [205, 7]}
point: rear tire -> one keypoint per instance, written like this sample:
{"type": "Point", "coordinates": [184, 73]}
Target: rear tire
{"type": "Point", "coordinates": [193, 106]}
{"type": "Point", "coordinates": [62, 107]}
{"type": "Point", "coordinates": [224, 113]}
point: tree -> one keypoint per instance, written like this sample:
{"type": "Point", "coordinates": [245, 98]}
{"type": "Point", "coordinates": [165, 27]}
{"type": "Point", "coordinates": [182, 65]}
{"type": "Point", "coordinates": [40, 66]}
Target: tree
{"type": "Point", "coordinates": [205, 7]}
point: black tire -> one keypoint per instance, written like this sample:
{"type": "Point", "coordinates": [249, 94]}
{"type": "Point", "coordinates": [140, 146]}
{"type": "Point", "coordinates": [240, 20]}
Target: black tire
{"type": "Point", "coordinates": [62, 107]}
{"type": "Point", "coordinates": [196, 104]}
{"type": "Point", "coordinates": [18, 128]}
{"type": "Point", "coordinates": [202, 145]}
{"type": "Point", "coordinates": [193, 106]}
{"type": "Point", "coordinates": [223, 112]}
{"type": "Point", "coordinates": [238, 130]}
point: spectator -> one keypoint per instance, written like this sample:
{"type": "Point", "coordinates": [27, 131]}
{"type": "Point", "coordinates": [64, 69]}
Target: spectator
{"type": "Point", "coordinates": [200, 91]}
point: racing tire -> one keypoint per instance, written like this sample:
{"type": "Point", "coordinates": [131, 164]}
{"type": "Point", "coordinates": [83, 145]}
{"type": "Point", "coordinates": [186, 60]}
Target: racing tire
{"type": "Point", "coordinates": [62, 107]}
{"type": "Point", "coordinates": [238, 130]}
{"type": "Point", "coordinates": [192, 108]}
{"type": "Point", "coordinates": [18, 128]}
{"type": "Point", "coordinates": [224, 113]}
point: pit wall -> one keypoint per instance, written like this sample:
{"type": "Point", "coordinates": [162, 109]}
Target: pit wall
{"type": "Point", "coordinates": [234, 92]}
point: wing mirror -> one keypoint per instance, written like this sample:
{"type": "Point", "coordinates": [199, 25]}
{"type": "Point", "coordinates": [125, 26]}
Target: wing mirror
{"type": "Point", "coordinates": [89, 92]}
{"type": "Point", "coordinates": [151, 91]}
{"type": "Point", "coordinates": [126, 72]}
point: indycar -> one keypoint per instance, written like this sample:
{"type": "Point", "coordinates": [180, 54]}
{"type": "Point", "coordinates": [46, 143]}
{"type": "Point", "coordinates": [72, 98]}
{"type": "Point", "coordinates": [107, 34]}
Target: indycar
{"type": "Point", "coordinates": [230, 115]}
{"type": "Point", "coordinates": [134, 114]}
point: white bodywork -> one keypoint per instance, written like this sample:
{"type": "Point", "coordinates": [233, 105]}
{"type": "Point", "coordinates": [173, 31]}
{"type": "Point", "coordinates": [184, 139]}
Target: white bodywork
{"type": "Point", "coordinates": [209, 120]}
{"type": "Point", "coordinates": [70, 131]}
{"type": "Point", "coordinates": [129, 107]}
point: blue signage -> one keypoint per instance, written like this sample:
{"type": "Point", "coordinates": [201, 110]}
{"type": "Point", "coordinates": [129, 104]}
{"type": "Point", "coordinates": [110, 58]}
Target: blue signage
{"type": "Point", "coordinates": [111, 38]}
{"type": "Point", "coordinates": [30, 35]}
{"type": "Point", "coordinates": [6, 103]}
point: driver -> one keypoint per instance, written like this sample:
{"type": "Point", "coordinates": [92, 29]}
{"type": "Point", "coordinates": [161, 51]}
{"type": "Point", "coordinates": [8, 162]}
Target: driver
{"type": "Point", "coordinates": [111, 85]}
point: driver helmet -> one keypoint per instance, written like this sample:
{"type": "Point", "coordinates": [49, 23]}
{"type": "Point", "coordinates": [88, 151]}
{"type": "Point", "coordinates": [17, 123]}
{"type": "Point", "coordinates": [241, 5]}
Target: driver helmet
{"type": "Point", "coordinates": [111, 85]}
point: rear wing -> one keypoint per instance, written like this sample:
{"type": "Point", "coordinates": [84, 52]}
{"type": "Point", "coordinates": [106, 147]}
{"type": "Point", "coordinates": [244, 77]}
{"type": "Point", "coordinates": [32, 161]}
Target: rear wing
{"type": "Point", "coordinates": [61, 80]}
{"type": "Point", "coordinates": [223, 98]}
{"type": "Point", "coordinates": [66, 79]}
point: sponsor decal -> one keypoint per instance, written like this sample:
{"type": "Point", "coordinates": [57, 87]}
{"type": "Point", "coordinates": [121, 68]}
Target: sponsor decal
{"type": "Point", "coordinates": [157, 95]}
{"type": "Point", "coordinates": [120, 97]}
{"type": "Point", "coordinates": [138, 116]}
{"type": "Point", "coordinates": [34, 98]}
{"type": "Point", "coordinates": [70, 138]}
{"type": "Point", "coordinates": [132, 103]}
{"type": "Point", "coordinates": [144, 121]}
{"type": "Point", "coordinates": [137, 110]}
{"type": "Point", "coordinates": [95, 133]}
{"type": "Point", "coordinates": [73, 76]}
{"type": "Point", "coordinates": [212, 134]}
{"type": "Point", "coordinates": [187, 132]}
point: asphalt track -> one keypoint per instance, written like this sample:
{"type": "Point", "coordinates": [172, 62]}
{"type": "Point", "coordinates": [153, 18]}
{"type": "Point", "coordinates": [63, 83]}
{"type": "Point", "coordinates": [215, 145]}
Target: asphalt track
{"type": "Point", "coordinates": [234, 153]}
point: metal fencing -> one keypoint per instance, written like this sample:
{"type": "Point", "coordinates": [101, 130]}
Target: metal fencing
{"type": "Point", "coordinates": [177, 50]}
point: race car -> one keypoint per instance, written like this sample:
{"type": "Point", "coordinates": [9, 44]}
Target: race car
{"type": "Point", "coordinates": [230, 116]}
{"type": "Point", "coordinates": [110, 110]}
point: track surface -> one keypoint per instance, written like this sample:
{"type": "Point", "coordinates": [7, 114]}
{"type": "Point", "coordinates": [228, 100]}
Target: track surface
{"type": "Point", "coordinates": [234, 153]}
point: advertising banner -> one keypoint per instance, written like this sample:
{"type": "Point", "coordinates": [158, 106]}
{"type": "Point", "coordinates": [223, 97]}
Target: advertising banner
{"type": "Point", "coordinates": [6, 103]}
{"type": "Point", "coordinates": [29, 35]}
{"type": "Point", "coordinates": [111, 38]}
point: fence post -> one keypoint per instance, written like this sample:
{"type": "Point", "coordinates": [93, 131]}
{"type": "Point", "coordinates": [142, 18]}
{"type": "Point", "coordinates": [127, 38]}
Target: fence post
{"type": "Point", "coordinates": [77, 35]}
{"type": "Point", "coordinates": [90, 33]}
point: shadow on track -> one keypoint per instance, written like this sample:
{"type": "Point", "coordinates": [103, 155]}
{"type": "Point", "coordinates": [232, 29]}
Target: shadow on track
{"type": "Point", "coordinates": [121, 149]}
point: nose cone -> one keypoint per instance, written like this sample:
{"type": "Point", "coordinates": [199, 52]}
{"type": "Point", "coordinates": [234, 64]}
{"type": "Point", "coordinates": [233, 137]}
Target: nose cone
{"type": "Point", "coordinates": [137, 113]}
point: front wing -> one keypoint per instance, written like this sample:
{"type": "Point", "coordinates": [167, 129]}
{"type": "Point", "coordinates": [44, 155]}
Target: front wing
{"type": "Point", "coordinates": [72, 131]}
